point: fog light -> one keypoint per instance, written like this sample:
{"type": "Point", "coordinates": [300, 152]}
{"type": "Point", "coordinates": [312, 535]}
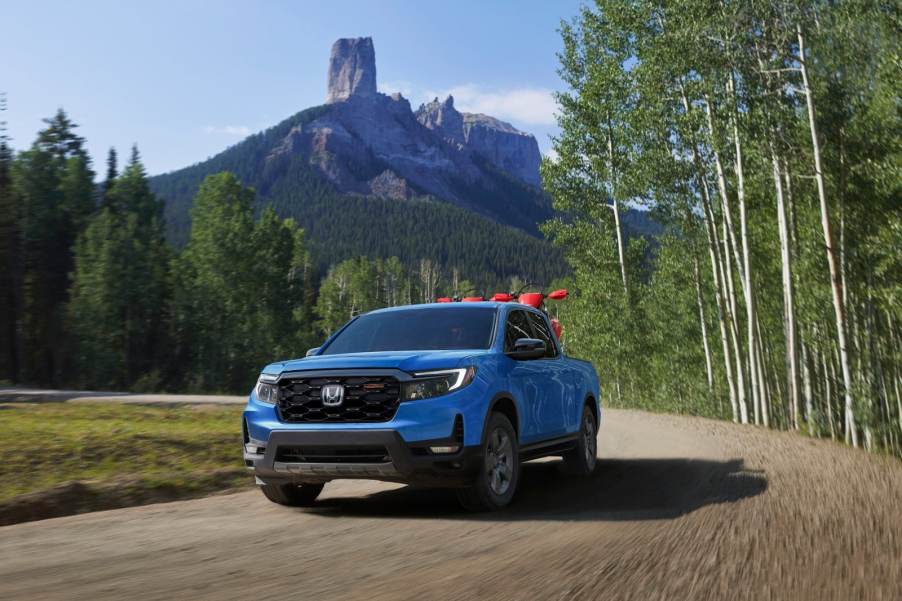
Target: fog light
{"type": "Point", "coordinates": [445, 450]}
{"type": "Point", "coordinates": [252, 449]}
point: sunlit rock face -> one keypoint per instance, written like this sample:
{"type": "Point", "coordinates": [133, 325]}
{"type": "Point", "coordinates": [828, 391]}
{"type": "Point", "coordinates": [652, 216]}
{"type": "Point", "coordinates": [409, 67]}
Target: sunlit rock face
{"type": "Point", "coordinates": [508, 148]}
{"type": "Point", "coordinates": [352, 69]}
{"type": "Point", "coordinates": [369, 143]}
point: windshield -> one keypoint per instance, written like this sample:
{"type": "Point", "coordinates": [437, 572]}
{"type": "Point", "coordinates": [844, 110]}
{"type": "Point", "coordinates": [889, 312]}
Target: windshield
{"type": "Point", "coordinates": [416, 330]}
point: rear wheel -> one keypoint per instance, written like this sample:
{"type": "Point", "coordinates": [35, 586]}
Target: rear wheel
{"type": "Point", "coordinates": [581, 460]}
{"type": "Point", "coordinates": [499, 472]}
{"type": "Point", "coordinates": [293, 495]}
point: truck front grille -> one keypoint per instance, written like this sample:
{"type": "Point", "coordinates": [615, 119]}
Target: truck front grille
{"type": "Point", "coordinates": [333, 455]}
{"type": "Point", "coordinates": [366, 399]}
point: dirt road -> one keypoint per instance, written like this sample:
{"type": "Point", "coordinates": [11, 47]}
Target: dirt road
{"type": "Point", "coordinates": [679, 508]}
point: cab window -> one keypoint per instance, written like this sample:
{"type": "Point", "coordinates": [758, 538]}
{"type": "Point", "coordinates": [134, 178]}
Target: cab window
{"type": "Point", "coordinates": [517, 327]}
{"type": "Point", "coordinates": [543, 333]}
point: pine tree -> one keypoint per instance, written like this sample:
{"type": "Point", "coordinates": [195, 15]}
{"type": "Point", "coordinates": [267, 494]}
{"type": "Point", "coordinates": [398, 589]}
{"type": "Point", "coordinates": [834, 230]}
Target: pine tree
{"type": "Point", "coordinates": [53, 182]}
{"type": "Point", "coordinates": [10, 285]}
{"type": "Point", "coordinates": [119, 289]}
{"type": "Point", "coordinates": [111, 174]}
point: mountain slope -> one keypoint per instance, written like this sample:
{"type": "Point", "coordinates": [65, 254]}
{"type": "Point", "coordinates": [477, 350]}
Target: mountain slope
{"type": "Point", "coordinates": [341, 226]}
{"type": "Point", "coordinates": [247, 160]}
{"type": "Point", "coordinates": [364, 176]}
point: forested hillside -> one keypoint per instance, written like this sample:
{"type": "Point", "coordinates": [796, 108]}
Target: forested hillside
{"type": "Point", "coordinates": [766, 137]}
{"type": "Point", "coordinates": [247, 161]}
{"type": "Point", "coordinates": [483, 251]}
{"type": "Point", "coordinates": [341, 226]}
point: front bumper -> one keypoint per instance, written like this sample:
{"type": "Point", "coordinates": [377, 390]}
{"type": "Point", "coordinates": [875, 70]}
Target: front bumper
{"type": "Point", "coordinates": [453, 419]}
{"type": "Point", "coordinates": [411, 463]}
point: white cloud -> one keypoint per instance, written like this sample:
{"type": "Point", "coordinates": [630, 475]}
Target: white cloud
{"type": "Point", "coordinates": [228, 130]}
{"type": "Point", "coordinates": [408, 90]}
{"type": "Point", "coordinates": [534, 106]}
{"type": "Point", "coordinates": [531, 106]}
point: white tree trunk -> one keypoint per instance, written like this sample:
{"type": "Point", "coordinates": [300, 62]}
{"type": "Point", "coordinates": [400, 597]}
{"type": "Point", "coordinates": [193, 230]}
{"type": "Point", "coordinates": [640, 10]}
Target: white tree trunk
{"type": "Point", "coordinates": [764, 396]}
{"type": "Point", "coordinates": [727, 275]}
{"type": "Point", "coordinates": [704, 327]}
{"type": "Point", "coordinates": [616, 208]}
{"type": "Point", "coordinates": [720, 293]}
{"type": "Point", "coordinates": [828, 394]}
{"type": "Point", "coordinates": [757, 373]}
{"type": "Point", "coordinates": [620, 251]}
{"type": "Point", "coordinates": [723, 309]}
{"type": "Point", "coordinates": [836, 285]}
{"type": "Point", "coordinates": [741, 263]}
{"type": "Point", "coordinates": [789, 325]}
{"type": "Point", "coordinates": [806, 378]}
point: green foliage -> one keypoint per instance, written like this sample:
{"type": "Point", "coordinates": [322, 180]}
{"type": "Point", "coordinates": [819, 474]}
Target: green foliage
{"type": "Point", "coordinates": [661, 100]}
{"type": "Point", "coordinates": [9, 259]}
{"type": "Point", "coordinates": [483, 251]}
{"type": "Point", "coordinates": [134, 313]}
{"type": "Point", "coordinates": [54, 189]}
{"type": "Point", "coordinates": [120, 288]}
{"type": "Point", "coordinates": [359, 285]}
{"type": "Point", "coordinates": [239, 288]}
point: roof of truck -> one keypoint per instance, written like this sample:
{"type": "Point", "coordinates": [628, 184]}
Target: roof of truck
{"type": "Point", "coordinates": [455, 305]}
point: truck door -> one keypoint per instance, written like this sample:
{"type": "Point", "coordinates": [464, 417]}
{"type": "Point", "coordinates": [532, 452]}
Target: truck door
{"type": "Point", "coordinates": [556, 386]}
{"type": "Point", "coordinates": [535, 382]}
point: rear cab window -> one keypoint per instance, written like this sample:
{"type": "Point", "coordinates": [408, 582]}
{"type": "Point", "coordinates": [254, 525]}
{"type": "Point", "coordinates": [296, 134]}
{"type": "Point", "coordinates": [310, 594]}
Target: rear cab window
{"type": "Point", "coordinates": [543, 333]}
{"type": "Point", "coordinates": [516, 327]}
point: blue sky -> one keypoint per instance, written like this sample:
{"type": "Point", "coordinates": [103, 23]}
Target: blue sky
{"type": "Point", "coordinates": [186, 79]}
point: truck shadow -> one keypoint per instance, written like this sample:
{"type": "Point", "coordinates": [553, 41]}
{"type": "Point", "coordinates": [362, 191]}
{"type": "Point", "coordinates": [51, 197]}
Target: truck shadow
{"type": "Point", "coordinates": [619, 489]}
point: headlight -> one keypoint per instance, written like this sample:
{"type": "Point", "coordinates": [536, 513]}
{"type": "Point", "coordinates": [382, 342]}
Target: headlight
{"type": "Point", "coordinates": [428, 384]}
{"type": "Point", "coordinates": [267, 391]}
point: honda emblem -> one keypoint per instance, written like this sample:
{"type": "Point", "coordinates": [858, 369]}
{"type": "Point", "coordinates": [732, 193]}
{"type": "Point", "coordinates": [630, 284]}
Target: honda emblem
{"type": "Point", "coordinates": [333, 395]}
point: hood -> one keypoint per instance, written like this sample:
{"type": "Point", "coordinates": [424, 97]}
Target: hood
{"type": "Point", "coordinates": [409, 361]}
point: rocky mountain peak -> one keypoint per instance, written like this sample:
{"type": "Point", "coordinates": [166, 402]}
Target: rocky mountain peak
{"type": "Point", "coordinates": [352, 69]}
{"type": "Point", "coordinates": [505, 146]}
{"type": "Point", "coordinates": [443, 117]}
{"type": "Point", "coordinates": [368, 143]}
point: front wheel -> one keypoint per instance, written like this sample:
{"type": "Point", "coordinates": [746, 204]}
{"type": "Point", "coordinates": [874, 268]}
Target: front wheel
{"type": "Point", "coordinates": [499, 472]}
{"type": "Point", "coordinates": [293, 495]}
{"type": "Point", "coordinates": [581, 460]}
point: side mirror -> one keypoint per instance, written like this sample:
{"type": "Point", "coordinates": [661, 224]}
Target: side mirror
{"type": "Point", "coordinates": [313, 351]}
{"type": "Point", "coordinates": [527, 348]}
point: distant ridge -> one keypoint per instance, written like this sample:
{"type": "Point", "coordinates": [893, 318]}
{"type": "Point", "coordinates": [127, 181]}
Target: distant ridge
{"type": "Point", "coordinates": [366, 175]}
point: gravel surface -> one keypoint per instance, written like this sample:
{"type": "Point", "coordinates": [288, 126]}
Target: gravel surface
{"type": "Point", "coordinates": [679, 508]}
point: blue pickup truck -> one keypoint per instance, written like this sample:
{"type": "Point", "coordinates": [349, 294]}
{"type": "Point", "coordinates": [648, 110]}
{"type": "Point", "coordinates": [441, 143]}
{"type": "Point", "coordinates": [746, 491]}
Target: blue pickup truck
{"type": "Point", "coordinates": [447, 394]}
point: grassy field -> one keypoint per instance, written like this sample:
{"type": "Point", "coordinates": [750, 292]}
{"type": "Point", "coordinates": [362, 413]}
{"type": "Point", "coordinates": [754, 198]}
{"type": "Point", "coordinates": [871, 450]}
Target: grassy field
{"type": "Point", "coordinates": [96, 456]}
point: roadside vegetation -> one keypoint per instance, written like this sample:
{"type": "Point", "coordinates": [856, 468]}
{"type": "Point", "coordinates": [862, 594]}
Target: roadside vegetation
{"type": "Point", "coordinates": [104, 455]}
{"type": "Point", "coordinates": [766, 137]}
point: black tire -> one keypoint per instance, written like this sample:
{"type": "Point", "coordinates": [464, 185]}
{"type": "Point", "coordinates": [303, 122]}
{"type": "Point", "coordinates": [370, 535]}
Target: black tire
{"type": "Point", "coordinates": [293, 495]}
{"type": "Point", "coordinates": [581, 461]}
{"type": "Point", "coordinates": [499, 472]}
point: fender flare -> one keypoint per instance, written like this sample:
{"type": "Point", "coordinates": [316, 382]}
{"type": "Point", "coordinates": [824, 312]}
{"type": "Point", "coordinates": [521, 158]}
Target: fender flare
{"type": "Point", "coordinates": [496, 399]}
{"type": "Point", "coordinates": [593, 404]}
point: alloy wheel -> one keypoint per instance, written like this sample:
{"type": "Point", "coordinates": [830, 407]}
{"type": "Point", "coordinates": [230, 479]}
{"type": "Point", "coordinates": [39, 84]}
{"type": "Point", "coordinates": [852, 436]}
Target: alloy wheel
{"type": "Point", "coordinates": [499, 460]}
{"type": "Point", "coordinates": [590, 444]}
